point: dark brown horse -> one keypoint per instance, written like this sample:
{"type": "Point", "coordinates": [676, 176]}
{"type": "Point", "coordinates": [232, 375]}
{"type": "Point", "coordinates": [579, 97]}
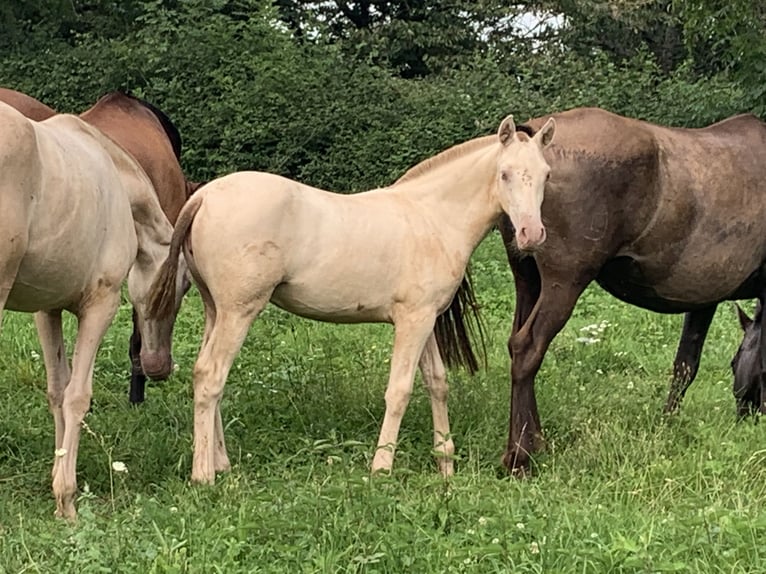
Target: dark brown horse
{"type": "Point", "coordinates": [748, 365]}
{"type": "Point", "coordinates": [671, 220]}
{"type": "Point", "coordinates": [151, 138]}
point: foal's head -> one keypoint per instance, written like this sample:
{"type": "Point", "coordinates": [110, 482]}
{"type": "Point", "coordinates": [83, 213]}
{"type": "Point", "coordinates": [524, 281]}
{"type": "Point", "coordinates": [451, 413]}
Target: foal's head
{"type": "Point", "coordinates": [746, 363]}
{"type": "Point", "coordinates": [521, 175]}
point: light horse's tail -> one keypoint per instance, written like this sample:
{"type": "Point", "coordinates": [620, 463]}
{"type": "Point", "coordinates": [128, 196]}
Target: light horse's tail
{"type": "Point", "coordinates": [454, 333]}
{"type": "Point", "coordinates": [161, 302]}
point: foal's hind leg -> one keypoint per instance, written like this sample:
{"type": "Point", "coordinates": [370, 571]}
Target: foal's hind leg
{"type": "Point", "coordinates": [411, 334]}
{"type": "Point", "coordinates": [687, 361]}
{"type": "Point", "coordinates": [435, 380]}
{"type": "Point", "coordinates": [210, 372]}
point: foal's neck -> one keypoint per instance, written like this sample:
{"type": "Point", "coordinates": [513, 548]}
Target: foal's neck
{"type": "Point", "coordinates": [458, 196]}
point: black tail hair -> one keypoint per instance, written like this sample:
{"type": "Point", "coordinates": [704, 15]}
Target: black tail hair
{"type": "Point", "coordinates": [454, 334]}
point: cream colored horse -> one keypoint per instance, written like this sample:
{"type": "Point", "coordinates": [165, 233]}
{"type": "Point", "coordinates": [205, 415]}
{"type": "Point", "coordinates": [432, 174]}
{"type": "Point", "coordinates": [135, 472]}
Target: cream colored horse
{"type": "Point", "coordinates": [76, 212]}
{"type": "Point", "coordinates": [394, 255]}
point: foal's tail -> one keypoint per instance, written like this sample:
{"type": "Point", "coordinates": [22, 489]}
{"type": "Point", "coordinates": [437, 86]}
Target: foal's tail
{"type": "Point", "coordinates": [454, 334]}
{"type": "Point", "coordinates": [162, 294]}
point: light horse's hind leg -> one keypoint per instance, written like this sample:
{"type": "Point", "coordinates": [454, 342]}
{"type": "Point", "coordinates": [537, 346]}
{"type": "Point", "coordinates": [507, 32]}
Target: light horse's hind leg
{"type": "Point", "coordinates": [94, 320]}
{"type": "Point", "coordinates": [57, 370]}
{"type": "Point", "coordinates": [687, 361]}
{"type": "Point", "coordinates": [435, 380]}
{"type": "Point", "coordinates": [220, 346]}
{"type": "Point", "coordinates": [410, 336]}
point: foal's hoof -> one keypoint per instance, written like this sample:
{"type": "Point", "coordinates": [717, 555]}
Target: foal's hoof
{"type": "Point", "coordinates": [65, 508]}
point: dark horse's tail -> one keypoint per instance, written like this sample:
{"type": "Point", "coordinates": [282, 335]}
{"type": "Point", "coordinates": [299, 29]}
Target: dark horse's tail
{"type": "Point", "coordinates": [454, 333]}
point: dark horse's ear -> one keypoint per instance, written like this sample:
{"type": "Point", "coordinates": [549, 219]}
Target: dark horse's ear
{"type": "Point", "coordinates": [744, 320]}
{"type": "Point", "coordinates": [545, 135]}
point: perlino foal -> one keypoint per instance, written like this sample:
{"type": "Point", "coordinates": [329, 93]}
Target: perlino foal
{"type": "Point", "coordinates": [77, 215]}
{"type": "Point", "coordinates": [394, 255]}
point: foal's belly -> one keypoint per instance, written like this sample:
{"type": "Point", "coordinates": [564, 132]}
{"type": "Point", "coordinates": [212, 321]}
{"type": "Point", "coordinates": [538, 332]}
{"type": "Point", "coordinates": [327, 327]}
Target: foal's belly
{"type": "Point", "coordinates": [328, 302]}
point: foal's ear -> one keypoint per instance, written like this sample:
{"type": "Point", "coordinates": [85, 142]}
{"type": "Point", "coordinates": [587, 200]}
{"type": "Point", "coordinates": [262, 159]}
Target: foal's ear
{"type": "Point", "coordinates": [507, 130]}
{"type": "Point", "coordinates": [744, 320]}
{"type": "Point", "coordinates": [545, 135]}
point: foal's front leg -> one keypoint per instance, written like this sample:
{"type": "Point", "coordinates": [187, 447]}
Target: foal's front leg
{"type": "Point", "coordinates": [435, 381]}
{"type": "Point", "coordinates": [410, 336]}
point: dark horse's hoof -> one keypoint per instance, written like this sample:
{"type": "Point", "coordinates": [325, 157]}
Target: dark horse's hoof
{"type": "Point", "coordinates": [516, 462]}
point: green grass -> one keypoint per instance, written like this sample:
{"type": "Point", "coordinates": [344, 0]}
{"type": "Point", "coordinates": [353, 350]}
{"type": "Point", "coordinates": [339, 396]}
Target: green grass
{"type": "Point", "coordinates": [618, 489]}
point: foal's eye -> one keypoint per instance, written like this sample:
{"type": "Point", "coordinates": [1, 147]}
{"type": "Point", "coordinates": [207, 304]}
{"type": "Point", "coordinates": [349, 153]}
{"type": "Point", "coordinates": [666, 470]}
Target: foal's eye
{"type": "Point", "coordinates": [504, 175]}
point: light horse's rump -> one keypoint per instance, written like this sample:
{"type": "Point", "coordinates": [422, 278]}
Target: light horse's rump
{"type": "Point", "coordinates": [394, 255]}
{"type": "Point", "coordinates": [153, 140]}
{"type": "Point", "coordinates": [77, 213]}
{"type": "Point", "coordinates": [671, 220]}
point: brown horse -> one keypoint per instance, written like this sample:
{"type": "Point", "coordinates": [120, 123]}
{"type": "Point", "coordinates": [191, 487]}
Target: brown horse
{"type": "Point", "coordinates": [151, 138]}
{"type": "Point", "coordinates": [27, 105]}
{"type": "Point", "coordinates": [671, 220]}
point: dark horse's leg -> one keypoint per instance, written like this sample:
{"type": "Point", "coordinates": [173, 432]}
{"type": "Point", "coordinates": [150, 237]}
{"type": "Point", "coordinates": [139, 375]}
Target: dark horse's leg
{"type": "Point", "coordinates": [542, 309]}
{"type": "Point", "coordinates": [687, 362]}
{"type": "Point", "coordinates": [137, 376]}
{"type": "Point", "coordinates": [528, 346]}
{"type": "Point", "coordinates": [762, 394]}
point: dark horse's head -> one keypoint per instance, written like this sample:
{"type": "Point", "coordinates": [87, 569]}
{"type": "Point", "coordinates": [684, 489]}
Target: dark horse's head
{"type": "Point", "coordinates": [746, 363]}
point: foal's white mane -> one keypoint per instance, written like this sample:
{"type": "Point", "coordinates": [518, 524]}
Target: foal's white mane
{"type": "Point", "coordinates": [446, 156]}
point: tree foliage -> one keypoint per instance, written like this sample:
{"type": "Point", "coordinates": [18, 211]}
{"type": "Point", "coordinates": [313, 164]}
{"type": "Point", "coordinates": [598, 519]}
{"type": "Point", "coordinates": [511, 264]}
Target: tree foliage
{"type": "Point", "coordinates": [346, 96]}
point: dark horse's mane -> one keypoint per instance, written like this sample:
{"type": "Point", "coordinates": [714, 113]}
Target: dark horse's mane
{"type": "Point", "coordinates": [170, 129]}
{"type": "Point", "coordinates": [453, 333]}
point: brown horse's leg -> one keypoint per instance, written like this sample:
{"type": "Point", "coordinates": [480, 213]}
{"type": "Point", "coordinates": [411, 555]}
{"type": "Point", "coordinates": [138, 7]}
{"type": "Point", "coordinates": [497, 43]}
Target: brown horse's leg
{"type": "Point", "coordinates": [528, 346]}
{"type": "Point", "coordinates": [687, 361]}
{"type": "Point", "coordinates": [137, 376]}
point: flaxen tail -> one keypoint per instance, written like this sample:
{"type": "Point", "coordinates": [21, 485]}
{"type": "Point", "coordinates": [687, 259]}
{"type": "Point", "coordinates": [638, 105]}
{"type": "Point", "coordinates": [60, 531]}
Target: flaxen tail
{"type": "Point", "coordinates": [454, 333]}
{"type": "Point", "coordinates": [162, 294]}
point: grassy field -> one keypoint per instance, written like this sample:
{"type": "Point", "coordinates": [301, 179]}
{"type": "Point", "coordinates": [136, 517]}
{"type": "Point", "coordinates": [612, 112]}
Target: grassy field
{"type": "Point", "coordinates": [619, 489]}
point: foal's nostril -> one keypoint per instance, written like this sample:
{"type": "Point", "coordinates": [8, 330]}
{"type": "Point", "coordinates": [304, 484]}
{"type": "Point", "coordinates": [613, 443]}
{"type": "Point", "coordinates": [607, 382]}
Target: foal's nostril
{"type": "Point", "coordinates": [543, 234]}
{"type": "Point", "coordinates": [523, 233]}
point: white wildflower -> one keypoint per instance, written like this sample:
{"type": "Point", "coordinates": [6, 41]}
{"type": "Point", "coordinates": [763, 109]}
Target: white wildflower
{"type": "Point", "coordinates": [629, 385]}
{"type": "Point", "coordinates": [495, 541]}
{"type": "Point", "coordinates": [520, 525]}
{"type": "Point", "coordinates": [118, 466]}
{"type": "Point", "coordinates": [482, 521]}
{"type": "Point", "coordinates": [587, 340]}
{"type": "Point", "coordinates": [534, 548]}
